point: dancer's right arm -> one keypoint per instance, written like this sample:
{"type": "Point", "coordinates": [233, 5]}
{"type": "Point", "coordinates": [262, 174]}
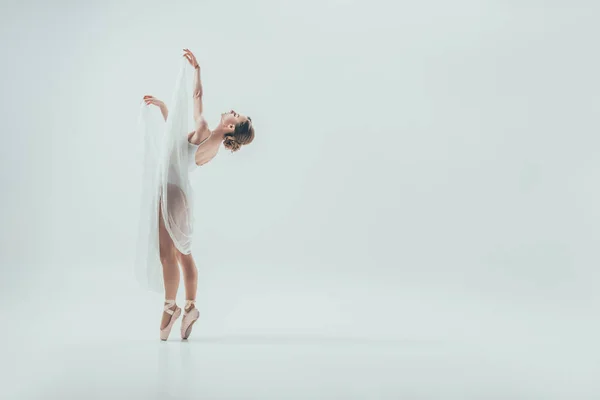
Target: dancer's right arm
{"type": "Point", "coordinates": [202, 131]}
{"type": "Point", "coordinates": [159, 103]}
{"type": "Point", "coordinates": [198, 92]}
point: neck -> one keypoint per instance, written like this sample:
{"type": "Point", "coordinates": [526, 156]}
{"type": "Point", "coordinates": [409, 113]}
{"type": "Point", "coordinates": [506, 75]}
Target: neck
{"type": "Point", "coordinates": [220, 131]}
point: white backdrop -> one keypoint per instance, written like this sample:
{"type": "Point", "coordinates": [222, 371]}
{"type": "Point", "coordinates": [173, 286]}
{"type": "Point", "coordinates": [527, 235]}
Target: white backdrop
{"type": "Point", "coordinates": [419, 170]}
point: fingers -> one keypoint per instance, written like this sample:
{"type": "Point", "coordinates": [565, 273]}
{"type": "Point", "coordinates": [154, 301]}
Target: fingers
{"type": "Point", "coordinates": [190, 57]}
{"type": "Point", "coordinates": [151, 100]}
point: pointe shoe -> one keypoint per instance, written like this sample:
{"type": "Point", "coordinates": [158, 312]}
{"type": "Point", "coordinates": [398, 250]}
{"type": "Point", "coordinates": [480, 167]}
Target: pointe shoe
{"type": "Point", "coordinates": [188, 320]}
{"type": "Point", "coordinates": [164, 333]}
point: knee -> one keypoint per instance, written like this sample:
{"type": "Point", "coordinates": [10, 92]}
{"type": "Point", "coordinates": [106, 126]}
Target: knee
{"type": "Point", "coordinates": [168, 262]}
{"type": "Point", "coordinates": [187, 262]}
{"type": "Point", "coordinates": [167, 256]}
{"type": "Point", "coordinates": [189, 268]}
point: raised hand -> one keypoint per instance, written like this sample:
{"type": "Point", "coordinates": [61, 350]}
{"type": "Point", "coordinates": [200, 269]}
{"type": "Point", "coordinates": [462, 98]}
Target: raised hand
{"type": "Point", "coordinates": [191, 58]}
{"type": "Point", "coordinates": [153, 100]}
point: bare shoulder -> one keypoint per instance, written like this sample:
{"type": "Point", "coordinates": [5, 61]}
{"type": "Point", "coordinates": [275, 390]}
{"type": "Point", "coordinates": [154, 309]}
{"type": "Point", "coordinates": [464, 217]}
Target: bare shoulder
{"type": "Point", "coordinates": [200, 133]}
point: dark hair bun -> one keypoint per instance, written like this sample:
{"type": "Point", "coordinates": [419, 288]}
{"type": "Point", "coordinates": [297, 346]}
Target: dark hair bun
{"type": "Point", "coordinates": [231, 144]}
{"type": "Point", "coordinates": [242, 135]}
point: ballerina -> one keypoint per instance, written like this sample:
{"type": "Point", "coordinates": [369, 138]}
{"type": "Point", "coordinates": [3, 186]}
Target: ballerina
{"type": "Point", "coordinates": [173, 150]}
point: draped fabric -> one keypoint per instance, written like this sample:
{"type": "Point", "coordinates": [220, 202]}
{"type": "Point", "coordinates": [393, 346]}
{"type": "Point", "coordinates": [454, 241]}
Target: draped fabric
{"type": "Point", "coordinates": [165, 182]}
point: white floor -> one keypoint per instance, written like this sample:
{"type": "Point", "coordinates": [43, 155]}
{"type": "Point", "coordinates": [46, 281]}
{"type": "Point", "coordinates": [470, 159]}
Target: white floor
{"type": "Point", "coordinates": [78, 342]}
{"type": "Point", "coordinates": [286, 367]}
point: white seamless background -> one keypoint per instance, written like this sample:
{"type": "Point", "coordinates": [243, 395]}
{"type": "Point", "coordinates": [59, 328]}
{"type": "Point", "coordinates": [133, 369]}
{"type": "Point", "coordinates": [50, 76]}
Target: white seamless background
{"type": "Point", "coordinates": [421, 171]}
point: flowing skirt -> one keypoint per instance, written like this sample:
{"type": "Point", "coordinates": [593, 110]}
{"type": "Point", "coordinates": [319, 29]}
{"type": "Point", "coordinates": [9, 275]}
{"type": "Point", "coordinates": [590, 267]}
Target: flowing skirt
{"type": "Point", "coordinates": [165, 184]}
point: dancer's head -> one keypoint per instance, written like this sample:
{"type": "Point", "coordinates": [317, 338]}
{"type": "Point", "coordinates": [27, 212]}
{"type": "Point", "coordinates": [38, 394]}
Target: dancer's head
{"type": "Point", "coordinates": [238, 130]}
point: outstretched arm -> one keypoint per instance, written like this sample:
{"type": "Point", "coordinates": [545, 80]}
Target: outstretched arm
{"type": "Point", "coordinates": [159, 103]}
{"type": "Point", "coordinates": [202, 131]}
{"type": "Point", "coordinates": [197, 94]}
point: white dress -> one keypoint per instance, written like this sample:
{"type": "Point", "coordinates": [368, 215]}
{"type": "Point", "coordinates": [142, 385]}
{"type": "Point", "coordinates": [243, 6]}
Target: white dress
{"type": "Point", "coordinates": [168, 160]}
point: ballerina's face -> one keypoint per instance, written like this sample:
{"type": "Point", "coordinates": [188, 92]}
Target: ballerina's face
{"type": "Point", "coordinates": [232, 118]}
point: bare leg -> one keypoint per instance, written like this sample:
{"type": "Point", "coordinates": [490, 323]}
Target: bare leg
{"type": "Point", "coordinates": [168, 260]}
{"type": "Point", "coordinates": [178, 212]}
{"type": "Point", "coordinates": [190, 277]}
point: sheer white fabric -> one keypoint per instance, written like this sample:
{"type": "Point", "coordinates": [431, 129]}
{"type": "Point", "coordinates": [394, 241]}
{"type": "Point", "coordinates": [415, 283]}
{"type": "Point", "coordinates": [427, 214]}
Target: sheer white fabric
{"type": "Point", "coordinates": [167, 161]}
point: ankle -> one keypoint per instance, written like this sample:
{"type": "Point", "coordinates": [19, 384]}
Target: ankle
{"type": "Point", "coordinates": [190, 305]}
{"type": "Point", "coordinates": [170, 305]}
